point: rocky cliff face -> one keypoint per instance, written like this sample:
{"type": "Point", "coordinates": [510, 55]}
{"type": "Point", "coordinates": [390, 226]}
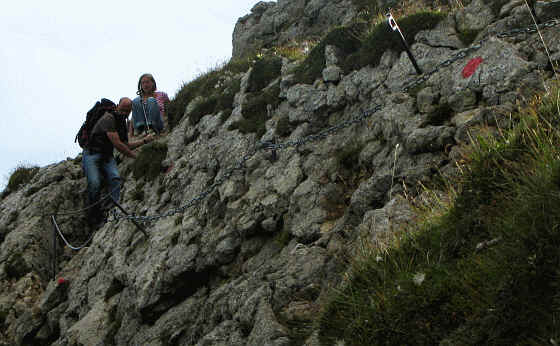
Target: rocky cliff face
{"type": "Point", "coordinates": [250, 261]}
{"type": "Point", "coordinates": [272, 23]}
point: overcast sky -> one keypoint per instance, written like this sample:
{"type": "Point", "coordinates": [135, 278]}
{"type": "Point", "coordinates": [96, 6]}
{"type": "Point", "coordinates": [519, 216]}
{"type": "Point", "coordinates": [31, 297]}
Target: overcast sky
{"type": "Point", "coordinates": [58, 57]}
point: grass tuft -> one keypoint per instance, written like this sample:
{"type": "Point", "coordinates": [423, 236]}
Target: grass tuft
{"type": "Point", "coordinates": [481, 269]}
{"type": "Point", "coordinates": [468, 36]}
{"type": "Point", "coordinates": [265, 70]}
{"type": "Point", "coordinates": [148, 164]}
{"type": "Point", "coordinates": [20, 176]}
{"type": "Point", "coordinates": [217, 86]}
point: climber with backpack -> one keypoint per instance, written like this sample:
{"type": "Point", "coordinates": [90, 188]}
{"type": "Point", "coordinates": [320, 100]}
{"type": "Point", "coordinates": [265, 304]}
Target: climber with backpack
{"type": "Point", "coordinates": [105, 129]}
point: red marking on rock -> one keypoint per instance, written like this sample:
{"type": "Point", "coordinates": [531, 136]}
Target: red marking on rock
{"type": "Point", "coordinates": [62, 281]}
{"type": "Point", "coordinates": [471, 67]}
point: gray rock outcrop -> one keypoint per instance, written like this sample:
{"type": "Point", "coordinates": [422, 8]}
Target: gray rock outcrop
{"type": "Point", "coordinates": [275, 23]}
{"type": "Point", "coordinates": [250, 263]}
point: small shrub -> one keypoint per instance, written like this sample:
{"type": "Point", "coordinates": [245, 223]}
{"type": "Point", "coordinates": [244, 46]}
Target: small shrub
{"type": "Point", "coordinates": [224, 116]}
{"type": "Point", "coordinates": [468, 36]}
{"type": "Point", "coordinates": [178, 220]}
{"type": "Point", "coordinates": [206, 106]}
{"type": "Point", "coordinates": [383, 38]}
{"type": "Point", "coordinates": [239, 65]}
{"type": "Point", "coordinates": [265, 70]}
{"type": "Point", "coordinates": [224, 102]}
{"type": "Point", "coordinates": [20, 176]}
{"type": "Point", "coordinates": [283, 238]}
{"type": "Point", "coordinates": [255, 112]}
{"type": "Point", "coordinates": [346, 39]}
{"type": "Point", "coordinates": [202, 85]}
{"type": "Point", "coordinates": [283, 127]}
{"type": "Point", "coordinates": [217, 86]}
{"type": "Point", "coordinates": [148, 163]}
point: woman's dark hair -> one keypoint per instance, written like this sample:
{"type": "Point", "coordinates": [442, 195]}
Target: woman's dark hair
{"type": "Point", "coordinates": [139, 92]}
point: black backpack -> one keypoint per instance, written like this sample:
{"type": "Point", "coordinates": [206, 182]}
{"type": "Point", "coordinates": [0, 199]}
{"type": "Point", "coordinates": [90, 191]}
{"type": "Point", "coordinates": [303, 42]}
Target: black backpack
{"type": "Point", "coordinates": [93, 115]}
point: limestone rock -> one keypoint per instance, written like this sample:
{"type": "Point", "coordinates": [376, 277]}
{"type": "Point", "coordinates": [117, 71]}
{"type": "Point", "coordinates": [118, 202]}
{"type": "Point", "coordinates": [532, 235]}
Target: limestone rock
{"type": "Point", "coordinates": [284, 21]}
{"type": "Point", "coordinates": [245, 242]}
{"type": "Point", "coordinates": [476, 16]}
{"type": "Point", "coordinates": [332, 74]}
{"type": "Point", "coordinates": [379, 225]}
{"type": "Point", "coordinates": [429, 139]}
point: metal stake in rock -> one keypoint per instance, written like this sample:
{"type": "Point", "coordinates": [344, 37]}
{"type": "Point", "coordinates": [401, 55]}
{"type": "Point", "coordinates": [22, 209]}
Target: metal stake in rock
{"type": "Point", "coordinates": [54, 252]}
{"type": "Point", "coordinates": [393, 24]}
{"type": "Point", "coordinates": [133, 221]}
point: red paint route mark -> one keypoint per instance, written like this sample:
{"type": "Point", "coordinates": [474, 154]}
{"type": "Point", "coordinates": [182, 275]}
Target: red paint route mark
{"type": "Point", "coordinates": [471, 67]}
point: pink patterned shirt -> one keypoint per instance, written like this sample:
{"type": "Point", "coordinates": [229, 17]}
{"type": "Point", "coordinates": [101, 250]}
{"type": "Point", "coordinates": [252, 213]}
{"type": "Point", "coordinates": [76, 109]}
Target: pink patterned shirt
{"type": "Point", "coordinates": [161, 98]}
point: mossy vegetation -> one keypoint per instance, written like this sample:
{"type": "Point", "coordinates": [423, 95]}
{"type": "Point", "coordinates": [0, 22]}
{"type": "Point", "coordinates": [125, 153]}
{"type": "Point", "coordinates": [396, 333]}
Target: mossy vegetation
{"type": "Point", "coordinates": [220, 101]}
{"type": "Point", "coordinates": [255, 111]}
{"type": "Point", "coordinates": [284, 127]}
{"type": "Point", "coordinates": [265, 70]}
{"type": "Point", "coordinates": [217, 87]}
{"type": "Point", "coordinates": [20, 176]}
{"type": "Point", "coordinates": [360, 46]}
{"type": "Point", "coordinates": [148, 164]}
{"type": "Point", "coordinates": [468, 36]}
{"type": "Point", "coordinates": [178, 221]}
{"type": "Point", "coordinates": [481, 269]}
{"type": "Point", "coordinates": [282, 238]}
{"type": "Point", "coordinates": [346, 39]}
{"type": "Point", "coordinates": [382, 38]}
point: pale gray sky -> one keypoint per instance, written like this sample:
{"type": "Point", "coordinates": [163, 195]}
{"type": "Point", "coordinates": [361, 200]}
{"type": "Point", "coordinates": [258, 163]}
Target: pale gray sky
{"type": "Point", "coordinates": [58, 57]}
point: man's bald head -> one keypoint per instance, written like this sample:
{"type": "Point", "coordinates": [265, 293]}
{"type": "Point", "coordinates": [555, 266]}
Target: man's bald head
{"type": "Point", "coordinates": [125, 106]}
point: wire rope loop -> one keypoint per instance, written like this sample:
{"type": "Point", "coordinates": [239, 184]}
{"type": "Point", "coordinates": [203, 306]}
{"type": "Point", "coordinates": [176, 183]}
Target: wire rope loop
{"type": "Point", "coordinates": [75, 248]}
